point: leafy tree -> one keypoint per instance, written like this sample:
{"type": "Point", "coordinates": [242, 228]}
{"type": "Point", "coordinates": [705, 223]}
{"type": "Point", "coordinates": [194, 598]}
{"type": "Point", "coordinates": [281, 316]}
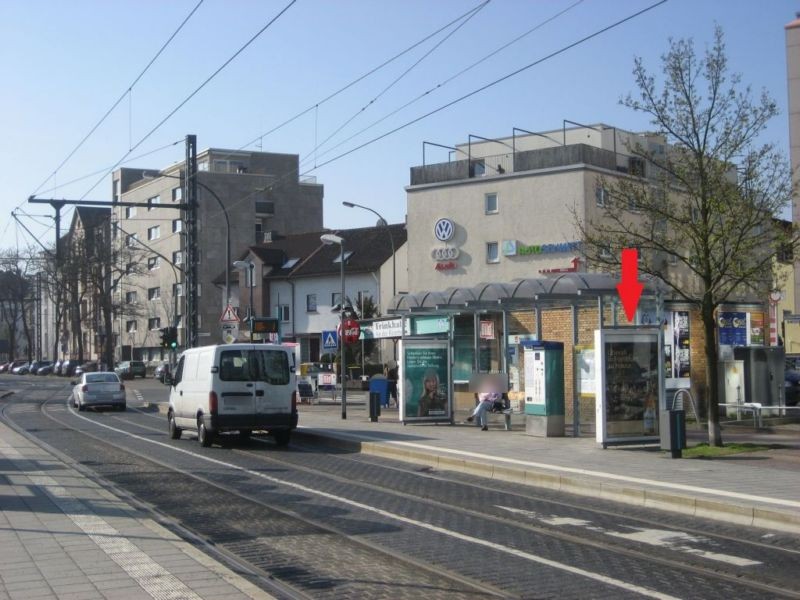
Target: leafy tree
{"type": "Point", "coordinates": [703, 219]}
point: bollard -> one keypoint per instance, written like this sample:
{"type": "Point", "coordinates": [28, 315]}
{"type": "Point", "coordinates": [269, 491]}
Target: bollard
{"type": "Point", "coordinates": [374, 406]}
{"type": "Point", "coordinates": [677, 432]}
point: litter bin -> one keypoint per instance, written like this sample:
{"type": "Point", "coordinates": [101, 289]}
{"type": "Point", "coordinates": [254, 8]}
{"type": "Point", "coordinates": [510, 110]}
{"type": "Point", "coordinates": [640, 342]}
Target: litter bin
{"type": "Point", "coordinates": [672, 425]}
{"type": "Point", "coordinates": [380, 385]}
{"type": "Point", "coordinates": [374, 406]}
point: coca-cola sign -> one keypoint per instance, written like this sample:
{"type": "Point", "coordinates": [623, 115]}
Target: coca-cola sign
{"type": "Point", "coordinates": [352, 331]}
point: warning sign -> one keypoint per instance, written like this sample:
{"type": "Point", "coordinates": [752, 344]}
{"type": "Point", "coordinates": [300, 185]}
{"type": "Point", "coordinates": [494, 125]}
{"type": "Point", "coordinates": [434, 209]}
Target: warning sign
{"type": "Point", "coordinates": [229, 315]}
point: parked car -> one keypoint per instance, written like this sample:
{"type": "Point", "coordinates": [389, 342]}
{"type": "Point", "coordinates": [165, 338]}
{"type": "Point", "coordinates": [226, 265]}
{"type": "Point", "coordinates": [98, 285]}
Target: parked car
{"type": "Point", "coordinates": [21, 369]}
{"type": "Point", "coordinates": [33, 368]}
{"type": "Point", "coordinates": [162, 372]}
{"type": "Point", "coordinates": [10, 366]}
{"type": "Point", "coordinates": [103, 388]}
{"type": "Point", "coordinates": [131, 368]}
{"type": "Point", "coordinates": [46, 368]}
{"type": "Point", "coordinates": [87, 367]}
{"type": "Point", "coordinates": [57, 366]}
{"type": "Point", "coordinates": [68, 368]}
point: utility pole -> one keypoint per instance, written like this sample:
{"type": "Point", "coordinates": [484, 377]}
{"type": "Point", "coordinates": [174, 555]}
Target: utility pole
{"type": "Point", "coordinates": [190, 219]}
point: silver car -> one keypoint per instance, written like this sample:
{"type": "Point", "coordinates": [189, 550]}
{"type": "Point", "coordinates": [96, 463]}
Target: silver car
{"type": "Point", "coordinates": [99, 389]}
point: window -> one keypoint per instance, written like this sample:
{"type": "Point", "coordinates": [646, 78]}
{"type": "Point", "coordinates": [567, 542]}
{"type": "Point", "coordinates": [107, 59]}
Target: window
{"type": "Point", "coordinates": [601, 195]}
{"type": "Point", "coordinates": [605, 253]}
{"type": "Point", "coordinates": [177, 194]}
{"type": "Point", "coordinates": [259, 231]}
{"type": "Point", "coordinates": [347, 255]}
{"type": "Point", "coordinates": [265, 207]}
{"type": "Point", "coordinates": [130, 212]}
{"type": "Point", "coordinates": [283, 311]}
{"type": "Point", "coordinates": [492, 252]}
{"type": "Point", "coordinates": [153, 233]}
{"type": "Point", "coordinates": [636, 166]}
{"type": "Point", "coordinates": [490, 204]}
{"type": "Point", "coordinates": [152, 202]}
{"type": "Point", "coordinates": [177, 290]}
{"type": "Point", "coordinates": [130, 268]}
{"type": "Point", "coordinates": [153, 263]}
{"type": "Point", "coordinates": [177, 225]}
{"type": "Point", "coordinates": [311, 303]}
{"type": "Point", "coordinates": [271, 366]}
{"type": "Point", "coordinates": [154, 323]}
{"type": "Point", "coordinates": [130, 326]}
{"type": "Point", "coordinates": [477, 168]}
{"type": "Point", "coordinates": [336, 298]}
{"type": "Point", "coordinates": [132, 240]}
{"type": "Point", "coordinates": [177, 258]}
{"type": "Point", "coordinates": [130, 297]}
{"type": "Point", "coordinates": [154, 293]}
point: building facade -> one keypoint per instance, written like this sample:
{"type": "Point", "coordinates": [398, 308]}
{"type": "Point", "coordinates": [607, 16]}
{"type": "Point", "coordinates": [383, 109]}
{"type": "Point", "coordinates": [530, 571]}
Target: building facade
{"type": "Point", "coordinates": [242, 198]}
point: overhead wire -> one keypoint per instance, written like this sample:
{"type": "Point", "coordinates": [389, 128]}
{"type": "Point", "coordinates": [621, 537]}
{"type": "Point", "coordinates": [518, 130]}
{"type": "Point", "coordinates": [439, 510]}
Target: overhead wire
{"type": "Point", "coordinates": [357, 80]}
{"type": "Point", "coordinates": [484, 87]}
{"type": "Point", "coordinates": [194, 93]}
{"type": "Point", "coordinates": [490, 84]}
{"type": "Point", "coordinates": [122, 96]}
{"type": "Point", "coordinates": [436, 46]}
{"type": "Point", "coordinates": [445, 82]}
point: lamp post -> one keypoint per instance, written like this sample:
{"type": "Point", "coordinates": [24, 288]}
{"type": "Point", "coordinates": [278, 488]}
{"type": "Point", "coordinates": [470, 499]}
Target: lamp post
{"type": "Point", "coordinates": [382, 222]}
{"type": "Point", "coordinates": [329, 239]}
{"type": "Point", "coordinates": [248, 266]}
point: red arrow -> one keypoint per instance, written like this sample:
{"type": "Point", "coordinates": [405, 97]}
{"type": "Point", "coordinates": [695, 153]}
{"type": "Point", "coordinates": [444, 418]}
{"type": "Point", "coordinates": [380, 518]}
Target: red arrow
{"type": "Point", "coordinates": [629, 288]}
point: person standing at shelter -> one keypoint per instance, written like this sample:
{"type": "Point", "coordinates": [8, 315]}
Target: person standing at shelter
{"type": "Point", "coordinates": [391, 380]}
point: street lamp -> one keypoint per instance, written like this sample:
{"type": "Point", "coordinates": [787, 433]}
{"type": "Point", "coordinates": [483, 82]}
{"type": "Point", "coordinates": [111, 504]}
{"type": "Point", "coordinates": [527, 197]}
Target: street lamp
{"type": "Point", "coordinates": [382, 223]}
{"type": "Point", "coordinates": [247, 266]}
{"type": "Point", "coordinates": [329, 239]}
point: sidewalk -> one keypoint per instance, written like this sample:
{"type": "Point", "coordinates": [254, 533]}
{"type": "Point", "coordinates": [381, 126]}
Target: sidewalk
{"type": "Point", "coordinates": [760, 489]}
{"type": "Point", "coordinates": [64, 536]}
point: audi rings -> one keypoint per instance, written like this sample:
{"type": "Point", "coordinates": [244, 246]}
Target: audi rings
{"type": "Point", "coordinates": [445, 253]}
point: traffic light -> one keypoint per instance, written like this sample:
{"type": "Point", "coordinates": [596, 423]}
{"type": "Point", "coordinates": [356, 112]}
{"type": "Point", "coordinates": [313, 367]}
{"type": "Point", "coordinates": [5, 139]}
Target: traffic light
{"type": "Point", "coordinates": [172, 337]}
{"type": "Point", "coordinates": [164, 337]}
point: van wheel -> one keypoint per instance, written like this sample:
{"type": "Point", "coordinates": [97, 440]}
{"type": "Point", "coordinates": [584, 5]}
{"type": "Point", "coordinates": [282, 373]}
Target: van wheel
{"type": "Point", "coordinates": [174, 430]}
{"type": "Point", "coordinates": [282, 437]}
{"type": "Point", "coordinates": [204, 436]}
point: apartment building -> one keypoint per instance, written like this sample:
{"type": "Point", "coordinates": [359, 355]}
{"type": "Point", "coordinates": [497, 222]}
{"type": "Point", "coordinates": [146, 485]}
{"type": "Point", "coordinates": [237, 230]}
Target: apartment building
{"type": "Point", "coordinates": [242, 198]}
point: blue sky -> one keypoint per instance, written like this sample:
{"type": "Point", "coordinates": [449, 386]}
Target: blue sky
{"type": "Point", "coordinates": [65, 63]}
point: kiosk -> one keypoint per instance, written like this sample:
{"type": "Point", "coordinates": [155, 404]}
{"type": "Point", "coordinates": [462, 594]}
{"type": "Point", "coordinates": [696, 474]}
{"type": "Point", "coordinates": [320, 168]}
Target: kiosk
{"type": "Point", "coordinates": [544, 388]}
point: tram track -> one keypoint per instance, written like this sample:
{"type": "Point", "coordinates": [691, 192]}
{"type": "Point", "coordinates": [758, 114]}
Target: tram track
{"type": "Point", "coordinates": [163, 484]}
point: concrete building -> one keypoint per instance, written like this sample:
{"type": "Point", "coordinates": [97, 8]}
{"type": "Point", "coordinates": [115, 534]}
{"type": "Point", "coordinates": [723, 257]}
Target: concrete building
{"type": "Point", "coordinates": [257, 193]}
{"type": "Point", "coordinates": [789, 307]}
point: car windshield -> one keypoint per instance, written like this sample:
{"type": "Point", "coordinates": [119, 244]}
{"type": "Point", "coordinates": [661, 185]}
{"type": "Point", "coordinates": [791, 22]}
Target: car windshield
{"type": "Point", "coordinates": [102, 378]}
{"type": "Point", "coordinates": [271, 366]}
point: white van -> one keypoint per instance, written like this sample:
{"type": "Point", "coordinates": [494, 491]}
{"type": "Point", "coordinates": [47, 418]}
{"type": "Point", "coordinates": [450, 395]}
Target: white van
{"type": "Point", "coordinates": [234, 387]}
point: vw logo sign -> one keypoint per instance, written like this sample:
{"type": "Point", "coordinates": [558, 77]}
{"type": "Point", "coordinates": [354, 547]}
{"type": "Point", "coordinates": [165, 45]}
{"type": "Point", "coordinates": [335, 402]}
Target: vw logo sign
{"type": "Point", "coordinates": [445, 253]}
{"type": "Point", "coordinates": [444, 229]}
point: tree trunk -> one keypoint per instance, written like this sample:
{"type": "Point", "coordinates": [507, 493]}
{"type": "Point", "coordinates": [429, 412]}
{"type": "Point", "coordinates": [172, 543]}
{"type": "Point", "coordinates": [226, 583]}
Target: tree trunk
{"type": "Point", "coordinates": [712, 380]}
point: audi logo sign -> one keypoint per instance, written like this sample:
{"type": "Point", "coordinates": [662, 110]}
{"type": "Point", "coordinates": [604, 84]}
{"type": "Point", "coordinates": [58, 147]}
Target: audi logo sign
{"type": "Point", "coordinates": [445, 253]}
{"type": "Point", "coordinates": [444, 229]}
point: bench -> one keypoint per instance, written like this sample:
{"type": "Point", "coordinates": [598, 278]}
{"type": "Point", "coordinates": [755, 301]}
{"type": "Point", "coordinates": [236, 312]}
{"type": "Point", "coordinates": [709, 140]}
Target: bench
{"type": "Point", "coordinates": [505, 412]}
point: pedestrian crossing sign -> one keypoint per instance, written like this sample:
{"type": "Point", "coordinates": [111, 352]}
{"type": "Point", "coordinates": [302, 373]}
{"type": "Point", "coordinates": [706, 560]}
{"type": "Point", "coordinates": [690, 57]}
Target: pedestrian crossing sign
{"type": "Point", "coordinates": [330, 339]}
{"type": "Point", "coordinates": [229, 315]}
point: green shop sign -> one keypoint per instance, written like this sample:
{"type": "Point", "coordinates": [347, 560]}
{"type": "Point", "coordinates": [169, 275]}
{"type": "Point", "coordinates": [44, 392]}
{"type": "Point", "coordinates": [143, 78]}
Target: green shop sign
{"type": "Point", "coordinates": [523, 250]}
{"type": "Point", "coordinates": [429, 325]}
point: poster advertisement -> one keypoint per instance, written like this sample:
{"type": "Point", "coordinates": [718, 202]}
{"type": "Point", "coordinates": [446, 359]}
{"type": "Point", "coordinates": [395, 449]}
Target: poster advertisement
{"type": "Point", "coordinates": [425, 381]}
{"type": "Point", "coordinates": [630, 384]}
{"type": "Point", "coordinates": [585, 372]}
{"type": "Point", "coordinates": [681, 358]}
{"type": "Point", "coordinates": [756, 329]}
{"type": "Point", "coordinates": [732, 328]}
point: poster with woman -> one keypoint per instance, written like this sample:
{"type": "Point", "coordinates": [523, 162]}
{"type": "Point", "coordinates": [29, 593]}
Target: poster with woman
{"type": "Point", "coordinates": [681, 361]}
{"type": "Point", "coordinates": [425, 381]}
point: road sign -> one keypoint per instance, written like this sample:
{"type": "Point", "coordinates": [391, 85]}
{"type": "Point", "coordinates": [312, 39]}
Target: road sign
{"type": "Point", "coordinates": [330, 340]}
{"type": "Point", "coordinates": [230, 332]}
{"type": "Point", "coordinates": [352, 331]}
{"type": "Point", "coordinates": [229, 315]}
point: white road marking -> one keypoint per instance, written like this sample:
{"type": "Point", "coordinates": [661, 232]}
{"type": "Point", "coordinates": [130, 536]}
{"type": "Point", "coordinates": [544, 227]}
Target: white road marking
{"type": "Point", "coordinates": [672, 540]}
{"type": "Point", "coordinates": [388, 515]}
{"type": "Point", "coordinates": [152, 577]}
{"type": "Point", "coordinates": [600, 474]}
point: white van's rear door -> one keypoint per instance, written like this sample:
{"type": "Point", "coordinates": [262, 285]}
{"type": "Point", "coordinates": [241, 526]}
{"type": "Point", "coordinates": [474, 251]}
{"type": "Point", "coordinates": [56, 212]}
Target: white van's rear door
{"type": "Point", "coordinates": [237, 388]}
{"type": "Point", "coordinates": [275, 381]}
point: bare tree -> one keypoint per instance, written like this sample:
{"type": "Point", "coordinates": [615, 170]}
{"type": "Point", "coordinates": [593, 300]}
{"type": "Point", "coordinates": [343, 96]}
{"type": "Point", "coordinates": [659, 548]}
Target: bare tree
{"type": "Point", "coordinates": [704, 218]}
